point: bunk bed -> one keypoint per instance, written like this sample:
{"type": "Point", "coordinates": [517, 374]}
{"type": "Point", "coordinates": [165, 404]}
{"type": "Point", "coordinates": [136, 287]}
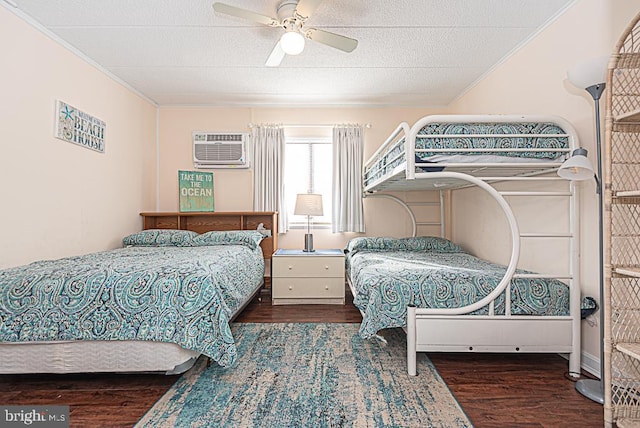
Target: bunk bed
{"type": "Point", "coordinates": [156, 304]}
{"type": "Point", "coordinates": [450, 152]}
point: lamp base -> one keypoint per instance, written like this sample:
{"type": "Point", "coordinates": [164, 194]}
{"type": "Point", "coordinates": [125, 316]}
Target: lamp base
{"type": "Point", "coordinates": [592, 389]}
{"type": "Point", "coordinates": [308, 243]}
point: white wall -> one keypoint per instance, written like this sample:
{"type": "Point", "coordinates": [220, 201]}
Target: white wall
{"type": "Point", "coordinates": [60, 199]}
{"type": "Point", "coordinates": [533, 81]}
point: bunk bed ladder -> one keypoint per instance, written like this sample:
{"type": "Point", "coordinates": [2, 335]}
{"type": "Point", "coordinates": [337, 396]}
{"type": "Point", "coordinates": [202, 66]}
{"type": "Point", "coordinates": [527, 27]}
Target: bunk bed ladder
{"type": "Point", "coordinates": [412, 217]}
{"type": "Point", "coordinates": [441, 221]}
{"type": "Point", "coordinates": [572, 277]}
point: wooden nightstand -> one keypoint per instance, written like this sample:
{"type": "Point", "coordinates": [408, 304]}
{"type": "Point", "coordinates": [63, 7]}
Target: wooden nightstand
{"type": "Point", "coordinates": [307, 278]}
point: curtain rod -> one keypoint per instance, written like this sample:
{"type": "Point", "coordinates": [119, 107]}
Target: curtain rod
{"type": "Point", "coordinates": [312, 125]}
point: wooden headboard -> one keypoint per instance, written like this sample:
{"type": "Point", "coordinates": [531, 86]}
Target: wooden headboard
{"type": "Point", "coordinates": [201, 222]}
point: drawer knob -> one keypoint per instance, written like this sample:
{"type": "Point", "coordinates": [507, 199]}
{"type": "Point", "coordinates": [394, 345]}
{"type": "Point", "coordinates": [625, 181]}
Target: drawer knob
{"type": "Point", "coordinates": [290, 267]}
{"type": "Point", "coordinates": [326, 287]}
{"type": "Point", "coordinates": [291, 287]}
{"type": "Point", "coordinates": [326, 267]}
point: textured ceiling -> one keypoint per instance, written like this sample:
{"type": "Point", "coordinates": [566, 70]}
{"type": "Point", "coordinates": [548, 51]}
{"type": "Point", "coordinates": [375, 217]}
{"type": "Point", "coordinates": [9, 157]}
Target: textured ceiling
{"type": "Point", "coordinates": [410, 53]}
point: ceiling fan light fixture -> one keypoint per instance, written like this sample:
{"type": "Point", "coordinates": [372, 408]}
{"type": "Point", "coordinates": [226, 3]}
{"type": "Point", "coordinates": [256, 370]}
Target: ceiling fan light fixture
{"type": "Point", "coordinates": [292, 42]}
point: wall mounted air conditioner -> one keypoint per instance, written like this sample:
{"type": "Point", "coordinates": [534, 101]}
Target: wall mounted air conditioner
{"type": "Point", "coordinates": [217, 150]}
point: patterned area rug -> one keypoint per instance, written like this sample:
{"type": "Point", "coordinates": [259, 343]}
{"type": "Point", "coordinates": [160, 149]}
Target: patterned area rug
{"type": "Point", "coordinates": [309, 375]}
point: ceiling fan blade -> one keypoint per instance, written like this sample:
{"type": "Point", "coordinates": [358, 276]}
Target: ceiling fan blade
{"type": "Point", "coordinates": [276, 56]}
{"type": "Point", "coordinates": [245, 14]}
{"type": "Point", "coordinates": [305, 8]}
{"type": "Point", "coordinates": [331, 39]}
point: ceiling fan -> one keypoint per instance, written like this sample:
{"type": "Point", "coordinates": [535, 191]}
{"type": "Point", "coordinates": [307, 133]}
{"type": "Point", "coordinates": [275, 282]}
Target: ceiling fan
{"type": "Point", "coordinates": [292, 14]}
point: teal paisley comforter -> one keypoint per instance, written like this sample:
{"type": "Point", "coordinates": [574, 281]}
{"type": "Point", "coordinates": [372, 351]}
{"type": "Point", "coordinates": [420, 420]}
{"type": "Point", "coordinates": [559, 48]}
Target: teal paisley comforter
{"type": "Point", "coordinates": [390, 274]}
{"type": "Point", "coordinates": [457, 136]}
{"type": "Point", "coordinates": [167, 290]}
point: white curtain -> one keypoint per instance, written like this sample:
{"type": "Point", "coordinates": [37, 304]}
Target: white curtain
{"type": "Point", "coordinates": [348, 149]}
{"type": "Point", "coordinates": [268, 171]}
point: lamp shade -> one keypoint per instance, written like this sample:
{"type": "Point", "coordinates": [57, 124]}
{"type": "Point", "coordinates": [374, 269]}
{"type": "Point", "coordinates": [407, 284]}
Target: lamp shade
{"type": "Point", "coordinates": [292, 42]}
{"type": "Point", "coordinates": [588, 73]}
{"type": "Point", "coordinates": [577, 167]}
{"type": "Point", "coordinates": [308, 204]}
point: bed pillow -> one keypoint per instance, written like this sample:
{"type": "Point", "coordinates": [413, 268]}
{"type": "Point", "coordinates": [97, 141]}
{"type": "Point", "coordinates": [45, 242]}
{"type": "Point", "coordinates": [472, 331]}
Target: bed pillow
{"type": "Point", "coordinates": [418, 243]}
{"type": "Point", "coordinates": [250, 238]}
{"type": "Point", "coordinates": [428, 243]}
{"type": "Point", "coordinates": [371, 243]}
{"type": "Point", "coordinates": [160, 238]}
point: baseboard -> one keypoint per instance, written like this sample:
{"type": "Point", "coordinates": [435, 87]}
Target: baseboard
{"type": "Point", "coordinates": [590, 364]}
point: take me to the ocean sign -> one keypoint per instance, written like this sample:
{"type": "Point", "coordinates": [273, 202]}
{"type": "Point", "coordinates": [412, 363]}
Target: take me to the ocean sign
{"type": "Point", "coordinates": [196, 191]}
{"type": "Point", "coordinates": [79, 128]}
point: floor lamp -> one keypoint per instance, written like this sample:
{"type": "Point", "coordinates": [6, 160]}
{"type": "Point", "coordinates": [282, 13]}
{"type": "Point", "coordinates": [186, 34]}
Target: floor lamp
{"type": "Point", "coordinates": [591, 75]}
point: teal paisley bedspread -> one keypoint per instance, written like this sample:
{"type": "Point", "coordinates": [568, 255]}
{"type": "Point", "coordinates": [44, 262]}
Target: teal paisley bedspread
{"type": "Point", "coordinates": [180, 294]}
{"type": "Point", "coordinates": [388, 275]}
{"type": "Point", "coordinates": [477, 136]}
{"type": "Point", "coordinates": [458, 136]}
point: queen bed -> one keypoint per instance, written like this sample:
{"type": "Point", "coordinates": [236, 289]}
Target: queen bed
{"type": "Point", "coordinates": [156, 304]}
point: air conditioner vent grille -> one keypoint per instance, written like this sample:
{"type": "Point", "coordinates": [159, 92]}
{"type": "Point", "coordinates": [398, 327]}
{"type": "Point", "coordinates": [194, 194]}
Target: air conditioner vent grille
{"type": "Point", "coordinates": [218, 152]}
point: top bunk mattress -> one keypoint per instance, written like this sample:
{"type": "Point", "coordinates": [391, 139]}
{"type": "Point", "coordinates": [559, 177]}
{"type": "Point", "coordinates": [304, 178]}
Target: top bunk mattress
{"type": "Point", "coordinates": [526, 140]}
{"type": "Point", "coordinates": [493, 140]}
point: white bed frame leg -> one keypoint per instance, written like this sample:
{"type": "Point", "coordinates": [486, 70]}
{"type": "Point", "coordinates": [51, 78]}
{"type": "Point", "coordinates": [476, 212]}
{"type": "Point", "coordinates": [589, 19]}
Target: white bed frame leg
{"type": "Point", "coordinates": [411, 340]}
{"type": "Point", "coordinates": [574, 365]}
{"type": "Point", "coordinates": [574, 269]}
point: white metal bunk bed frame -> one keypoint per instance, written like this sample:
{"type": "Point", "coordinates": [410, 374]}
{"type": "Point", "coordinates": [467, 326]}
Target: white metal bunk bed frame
{"type": "Point", "coordinates": [452, 329]}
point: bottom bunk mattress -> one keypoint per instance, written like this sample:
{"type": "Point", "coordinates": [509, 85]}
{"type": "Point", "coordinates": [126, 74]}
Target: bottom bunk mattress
{"type": "Point", "coordinates": [387, 275]}
{"type": "Point", "coordinates": [164, 286]}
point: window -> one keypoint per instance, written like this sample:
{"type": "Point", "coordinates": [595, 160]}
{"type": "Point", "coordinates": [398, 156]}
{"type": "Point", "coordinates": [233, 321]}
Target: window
{"type": "Point", "coordinates": [308, 169]}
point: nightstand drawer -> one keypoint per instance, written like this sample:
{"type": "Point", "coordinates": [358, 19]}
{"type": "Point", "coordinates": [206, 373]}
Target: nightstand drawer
{"type": "Point", "coordinates": [307, 288]}
{"type": "Point", "coordinates": [308, 266]}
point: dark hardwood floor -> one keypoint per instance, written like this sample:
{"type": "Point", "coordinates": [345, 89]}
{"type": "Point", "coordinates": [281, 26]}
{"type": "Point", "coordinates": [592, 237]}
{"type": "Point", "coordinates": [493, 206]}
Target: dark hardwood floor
{"type": "Point", "coordinates": [507, 390]}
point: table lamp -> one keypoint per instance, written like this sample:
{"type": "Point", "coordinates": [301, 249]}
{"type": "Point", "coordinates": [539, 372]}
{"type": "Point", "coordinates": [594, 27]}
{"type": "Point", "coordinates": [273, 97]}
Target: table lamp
{"type": "Point", "coordinates": [309, 204]}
